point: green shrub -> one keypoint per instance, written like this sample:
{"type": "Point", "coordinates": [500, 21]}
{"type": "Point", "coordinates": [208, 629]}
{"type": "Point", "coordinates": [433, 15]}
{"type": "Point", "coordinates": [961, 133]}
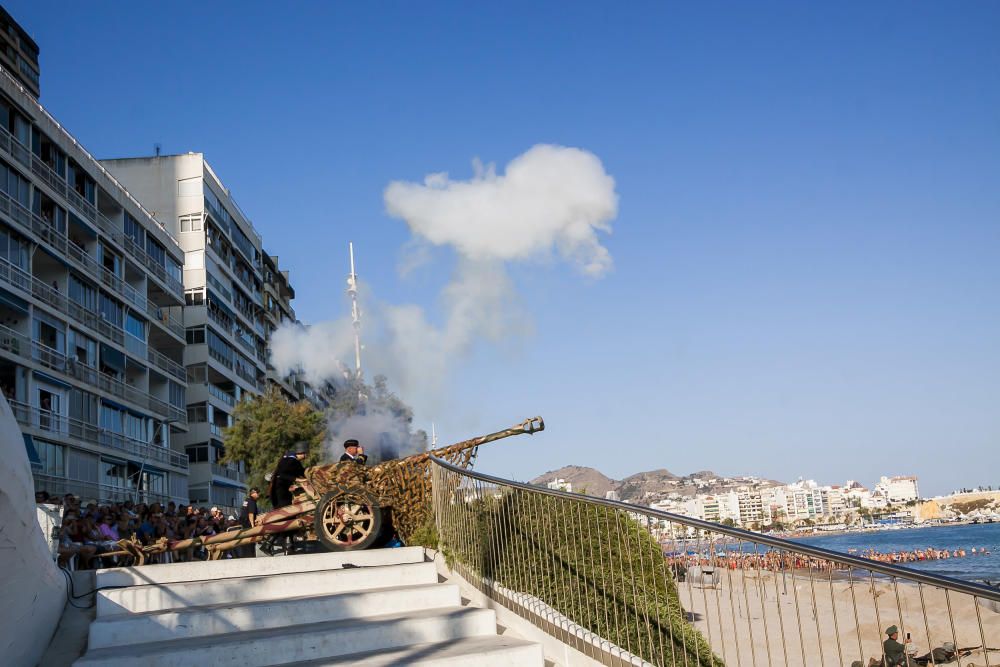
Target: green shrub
{"type": "Point", "coordinates": [595, 565]}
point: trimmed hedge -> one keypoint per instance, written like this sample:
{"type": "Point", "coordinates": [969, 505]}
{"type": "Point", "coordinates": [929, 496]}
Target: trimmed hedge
{"type": "Point", "coordinates": [596, 565]}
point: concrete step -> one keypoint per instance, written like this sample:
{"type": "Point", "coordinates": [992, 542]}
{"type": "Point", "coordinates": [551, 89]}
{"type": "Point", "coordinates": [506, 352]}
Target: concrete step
{"type": "Point", "coordinates": [220, 619]}
{"type": "Point", "coordinates": [251, 567]}
{"type": "Point", "coordinates": [315, 641]}
{"type": "Point", "coordinates": [140, 599]}
{"type": "Point", "coordinates": [470, 652]}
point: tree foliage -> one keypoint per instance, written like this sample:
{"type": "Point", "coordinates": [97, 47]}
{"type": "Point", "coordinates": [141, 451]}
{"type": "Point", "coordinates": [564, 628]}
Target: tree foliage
{"type": "Point", "coordinates": [265, 427]}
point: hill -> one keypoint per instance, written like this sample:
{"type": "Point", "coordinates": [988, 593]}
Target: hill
{"type": "Point", "coordinates": [651, 485]}
{"type": "Point", "coordinates": [583, 479]}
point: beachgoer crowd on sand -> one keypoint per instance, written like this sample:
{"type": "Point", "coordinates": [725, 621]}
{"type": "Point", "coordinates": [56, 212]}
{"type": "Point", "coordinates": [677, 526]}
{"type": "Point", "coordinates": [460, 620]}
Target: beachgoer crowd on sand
{"type": "Point", "coordinates": [777, 561]}
{"type": "Point", "coordinates": [91, 529]}
{"type": "Point", "coordinates": [930, 553]}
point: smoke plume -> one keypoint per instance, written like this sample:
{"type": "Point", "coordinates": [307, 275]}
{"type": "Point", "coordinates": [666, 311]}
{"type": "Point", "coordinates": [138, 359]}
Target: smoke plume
{"type": "Point", "coordinates": [551, 202]}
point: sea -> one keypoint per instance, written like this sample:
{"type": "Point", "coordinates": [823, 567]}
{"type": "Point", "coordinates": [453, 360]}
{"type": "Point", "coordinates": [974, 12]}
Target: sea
{"type": "Point", "coordinates": [971, 568]}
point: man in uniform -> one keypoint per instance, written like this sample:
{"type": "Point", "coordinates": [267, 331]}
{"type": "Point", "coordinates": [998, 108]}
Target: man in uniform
{"type": "Point", "coordinates": [895, 653]}
{"type": "Point", "coordinates": [288, 470]}
{"type": "Point", "coordinates": [248, 518]}
{"type": "Point", "coordinates": [353, 451]}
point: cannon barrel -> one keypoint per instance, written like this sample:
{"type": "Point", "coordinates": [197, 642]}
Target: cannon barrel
{"type": "Point", "coordinates": [528, 426]}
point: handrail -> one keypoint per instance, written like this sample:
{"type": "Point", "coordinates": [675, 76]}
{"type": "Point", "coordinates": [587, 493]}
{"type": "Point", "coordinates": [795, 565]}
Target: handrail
{"type": "Point", "coordinates": [958, 585]}
{"type": "Point", "coordinates": [630, 585]}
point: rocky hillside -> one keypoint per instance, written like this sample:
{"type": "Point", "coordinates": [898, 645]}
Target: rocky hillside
{"type": "Point", "coordinates": [584, 480]}
{"type": "Point", "coordinates": [650, 486]}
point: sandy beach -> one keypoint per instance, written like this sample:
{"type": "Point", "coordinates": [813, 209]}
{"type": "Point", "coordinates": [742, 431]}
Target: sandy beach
{"type": "Point", "coordinates": [750, 618]}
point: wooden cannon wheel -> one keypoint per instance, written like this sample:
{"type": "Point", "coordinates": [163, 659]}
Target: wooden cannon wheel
{"type": "Point", "coordinates": [347, 519]}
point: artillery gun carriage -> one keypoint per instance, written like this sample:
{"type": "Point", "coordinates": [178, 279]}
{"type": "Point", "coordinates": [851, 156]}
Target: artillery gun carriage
{"type": "Point", "coordinates": [343, 505]}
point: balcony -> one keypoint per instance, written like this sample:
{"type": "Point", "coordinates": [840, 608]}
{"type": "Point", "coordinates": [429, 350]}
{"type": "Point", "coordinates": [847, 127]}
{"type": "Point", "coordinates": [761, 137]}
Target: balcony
{"type": "Point", "coordinates": [104, 493]}
{"type": "Point", "coordinates": [87, 209]}
{"type": "Point", "coordinates": [162, 317]}
{"type": "Point", "coordinates": [228, 399]}
{"type": "Point", "coordinates": [229, 473]}
{"type": "Point", "coordinates": [227, 327]}
{"type": "Point", "coordinates": [19, 344]}
{"type": "Point", "coordinates": [69, 428]}
{"type": "Point", "coordinates": [165, 363]}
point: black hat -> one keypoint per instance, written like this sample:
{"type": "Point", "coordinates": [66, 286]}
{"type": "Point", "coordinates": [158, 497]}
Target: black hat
{"type": "Point", "coordinates": [351, 443]}
{"type": "Point", "coordinates": [301, 447]}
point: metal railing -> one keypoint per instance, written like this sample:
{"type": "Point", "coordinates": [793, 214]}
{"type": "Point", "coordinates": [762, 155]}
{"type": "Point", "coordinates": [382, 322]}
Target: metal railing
{"type": "Point", "coordinates": [102, 493]}
{"type": "Point", "coordinates": [626, 584]}
{"type": "Point", "coordinates": [59, 426]}
{"type": "Point", "coordinates": [20, 344]}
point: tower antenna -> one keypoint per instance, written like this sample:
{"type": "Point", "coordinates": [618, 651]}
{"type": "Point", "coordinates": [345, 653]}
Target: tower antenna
{"type": "Point", "coordinates": [352, 291]}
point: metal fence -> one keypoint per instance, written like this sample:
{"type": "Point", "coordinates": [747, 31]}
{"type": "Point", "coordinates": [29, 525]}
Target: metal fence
{"type": "Point", "coordinates": [628, 585]}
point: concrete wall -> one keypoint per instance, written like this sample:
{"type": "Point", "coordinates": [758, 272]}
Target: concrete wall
{"type": "Point", "coordinates": [32, 589]}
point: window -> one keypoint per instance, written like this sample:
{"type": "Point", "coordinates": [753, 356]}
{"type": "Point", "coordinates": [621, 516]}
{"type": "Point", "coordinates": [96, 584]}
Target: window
{"type": "Point", "coordinates": [173, 269]}
{"type": "Point", "coordinates": [134, 230]}
{"type": "Point", "coordinates": [197, 413]}
{"type": "Point", "coordinates": [135, 326]}
{"type": "Point", "coordinates": [111, 418]}
{"type": "Point", "coordinates": [135, 427]}
{"type": "Point", "coordinates": [198, 454]}
{"type": "Point", "coordinates": [195, 335]}
{"type": "Point", "coordinates": [15, 185]}
{"type": "Point", "coordinates": [52, 457]}
{"type": "Point", "coordinates": [111, 310]}
{"type": "Point", "coordinates": [83, 406]}
{"type": "Point", "coordinates": [110, 260]}
{"type": "Point", "coordinates": [49, 331]}
{"type": "Point", "coordinates": [197, 374]}
{"type": "Point", "coordinates": [114, 473]}
{"type": "Point", "coordinates": [195, 297]}
{"type": "Point", "coordinates": [219, 348]}
{"type": "Point", "coordinates": [176, 394]}
{"type": "Point", "coordinates": [191, 223]}
{"type": "Point", "coordinates": [82, 348]}
{"type": "Point", "coordinates": [13, 248]}
{"type": "Point", "coordinates": [82, 293]}
{"type": "Point", "coordinates": [156, 251]}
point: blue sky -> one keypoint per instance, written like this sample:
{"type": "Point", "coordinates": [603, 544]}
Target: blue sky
{"type": "Point", "coordinates": [807, 251]}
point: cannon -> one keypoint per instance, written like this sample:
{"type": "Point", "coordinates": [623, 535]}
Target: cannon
{"type": "Point", "coordinates": [343, 505]}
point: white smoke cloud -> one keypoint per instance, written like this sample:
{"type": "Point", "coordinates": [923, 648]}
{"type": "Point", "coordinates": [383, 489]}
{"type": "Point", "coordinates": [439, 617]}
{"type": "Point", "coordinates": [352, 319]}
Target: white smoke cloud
{"type": "Point", "coordinates": [549, 198]}
{"type": "Point", "coordinates": [551, 201]}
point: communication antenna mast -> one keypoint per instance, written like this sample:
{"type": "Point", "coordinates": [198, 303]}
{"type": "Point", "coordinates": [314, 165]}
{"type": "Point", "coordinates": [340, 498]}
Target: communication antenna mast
{"type": "Point", "coordinates": [434, 436]}
{"type": "Point", "coordinates": [352, 291]}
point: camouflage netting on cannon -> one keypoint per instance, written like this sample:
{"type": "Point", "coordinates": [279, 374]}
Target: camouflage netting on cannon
{"type": "Point", "coordinates": [350, 498]}
{"type": "Point", "coordinates": [342, 505]}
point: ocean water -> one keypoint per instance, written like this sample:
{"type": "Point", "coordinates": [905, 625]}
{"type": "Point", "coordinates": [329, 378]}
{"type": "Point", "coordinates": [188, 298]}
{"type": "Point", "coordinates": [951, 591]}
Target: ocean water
{"type": "Point", "coordinates": [971, 568]}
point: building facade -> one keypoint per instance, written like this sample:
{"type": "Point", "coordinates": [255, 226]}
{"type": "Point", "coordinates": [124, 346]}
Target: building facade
{"type": "Point", "coordinates": [19, 54]}
{"type": "Point", "coordinates": [224, 314]}
{"type": "Point", "coordinates": [90, 353]}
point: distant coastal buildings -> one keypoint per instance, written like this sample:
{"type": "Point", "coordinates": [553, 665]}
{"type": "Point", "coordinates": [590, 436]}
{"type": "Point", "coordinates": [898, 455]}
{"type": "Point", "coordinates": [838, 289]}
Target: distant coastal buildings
{"type": "Point", "coordinates": [800, 503]}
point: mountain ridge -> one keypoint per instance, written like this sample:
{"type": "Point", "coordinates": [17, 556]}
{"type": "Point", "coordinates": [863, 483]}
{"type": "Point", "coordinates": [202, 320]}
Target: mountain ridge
{"type": "Point", "coordinates": [649, 485]}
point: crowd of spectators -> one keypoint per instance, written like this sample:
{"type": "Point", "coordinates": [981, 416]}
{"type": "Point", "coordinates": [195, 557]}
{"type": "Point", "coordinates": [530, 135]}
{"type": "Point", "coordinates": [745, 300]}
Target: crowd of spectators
{"type": "Point", "coordinates": [91, 529]}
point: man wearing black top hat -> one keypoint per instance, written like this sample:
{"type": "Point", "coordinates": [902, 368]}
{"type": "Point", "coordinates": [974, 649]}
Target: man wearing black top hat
{"type": "Point", "coordinates": [353, 451]}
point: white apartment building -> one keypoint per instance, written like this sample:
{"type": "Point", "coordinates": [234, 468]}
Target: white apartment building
{"type": "Point", "coordinates": [898, 489]}
{"type": "Point", "coordinates": [560, 484]}
{"type": "Point", "coordinates": [224, 312]}
{"type": "Point", "coordinates": [90, 353]}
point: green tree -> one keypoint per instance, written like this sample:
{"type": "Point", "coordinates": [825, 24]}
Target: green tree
{"type": "Point", "coordinates": [265, 427]}
{"type": "Point", "coordinates": [728, 522]}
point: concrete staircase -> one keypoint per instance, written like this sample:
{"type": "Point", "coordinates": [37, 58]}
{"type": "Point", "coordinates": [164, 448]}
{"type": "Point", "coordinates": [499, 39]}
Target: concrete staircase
{"type": "Point", "coordinates": [378, 607]}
